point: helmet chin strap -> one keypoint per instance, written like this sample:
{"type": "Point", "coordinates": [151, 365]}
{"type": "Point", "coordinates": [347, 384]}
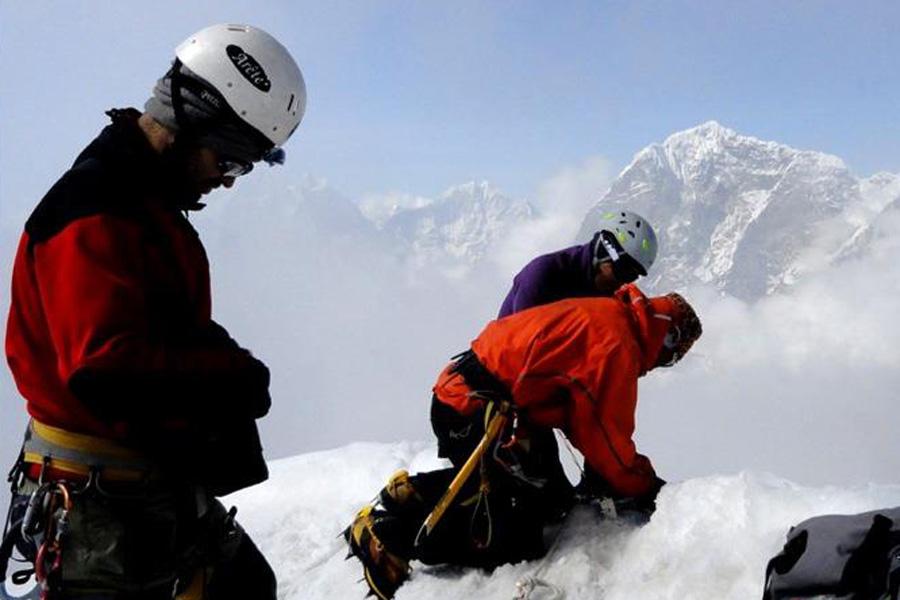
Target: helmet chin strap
{"type": "Point", "coordinates": [609, 247]}
{"type": "Point", "coordinates": [612, 254]}
{"type": "Point", "coordinates": [177, 78]}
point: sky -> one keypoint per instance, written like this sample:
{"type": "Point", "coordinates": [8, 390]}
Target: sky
{"type": "Point", "coordinates": [418, 96]}
{"type": "Point", "coordinates": [414, 97]}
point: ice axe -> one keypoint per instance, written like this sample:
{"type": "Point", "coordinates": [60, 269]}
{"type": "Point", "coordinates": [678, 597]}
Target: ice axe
{"type": "Point", "coordinates": [492, 432]}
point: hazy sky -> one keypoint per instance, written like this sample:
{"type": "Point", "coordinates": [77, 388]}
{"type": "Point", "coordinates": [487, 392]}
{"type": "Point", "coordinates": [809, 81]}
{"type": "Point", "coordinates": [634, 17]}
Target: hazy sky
{"type": "Point", "coordinates": [539, 98]}
{"type": "Point", "coordinates": [416, 96]}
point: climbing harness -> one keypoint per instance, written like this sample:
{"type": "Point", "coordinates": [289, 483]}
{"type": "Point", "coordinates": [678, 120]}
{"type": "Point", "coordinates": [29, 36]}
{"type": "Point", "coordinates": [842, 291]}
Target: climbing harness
{"type": "Point", "coordinates": [61, 466]}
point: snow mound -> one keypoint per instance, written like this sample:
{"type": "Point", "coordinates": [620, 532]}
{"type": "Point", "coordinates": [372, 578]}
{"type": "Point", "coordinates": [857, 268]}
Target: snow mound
{"type": "Point", "coordinates": [710, 537]}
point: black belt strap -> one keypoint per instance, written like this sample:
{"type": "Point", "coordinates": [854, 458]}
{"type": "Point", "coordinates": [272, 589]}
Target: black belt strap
{"type": "Point", "coordinates": [478, 378]}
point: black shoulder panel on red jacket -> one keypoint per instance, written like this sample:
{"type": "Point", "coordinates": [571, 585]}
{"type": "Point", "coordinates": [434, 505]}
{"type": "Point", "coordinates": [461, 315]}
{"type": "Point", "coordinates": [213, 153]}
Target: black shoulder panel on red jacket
{"type": "Point", "coordinates": [87, 189]}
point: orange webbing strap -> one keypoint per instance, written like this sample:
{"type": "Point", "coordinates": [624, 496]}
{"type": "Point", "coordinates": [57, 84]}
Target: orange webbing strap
{"type": "Point", "coordinates": [494, 427]}
{"type": "Point", "coordinates": [196, 589]}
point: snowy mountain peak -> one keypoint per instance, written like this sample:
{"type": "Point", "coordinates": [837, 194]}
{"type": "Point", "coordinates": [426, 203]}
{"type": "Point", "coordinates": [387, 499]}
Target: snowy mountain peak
{"type": "Point", "coordinates": [482, 190]}
{"type": "Point", "coordinates": [743, 214]}
{"type": "Point", "coordinates": [692, 152]}
{"type": "Point", "coordinates": [708, 132]}
{"type": "Point", "coordinates": [457, 229]}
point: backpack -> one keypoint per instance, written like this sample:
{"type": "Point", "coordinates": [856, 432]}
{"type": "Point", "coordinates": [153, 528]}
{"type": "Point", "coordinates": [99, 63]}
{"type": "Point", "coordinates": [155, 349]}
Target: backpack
{"type": "Point", "coordinates": [855, 557]}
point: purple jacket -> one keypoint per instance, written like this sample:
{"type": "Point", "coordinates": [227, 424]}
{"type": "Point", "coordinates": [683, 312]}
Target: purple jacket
{"type": "Point", "coordinates": [567, 273]}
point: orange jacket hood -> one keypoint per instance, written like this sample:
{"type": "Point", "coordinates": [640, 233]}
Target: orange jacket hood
{"type": "Point", "coordinates": [652, 317]}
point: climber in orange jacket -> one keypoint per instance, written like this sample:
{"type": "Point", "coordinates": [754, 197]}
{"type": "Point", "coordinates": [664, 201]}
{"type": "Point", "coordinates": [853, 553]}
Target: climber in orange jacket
{"type": "Point", "coordinates": [572, 365]}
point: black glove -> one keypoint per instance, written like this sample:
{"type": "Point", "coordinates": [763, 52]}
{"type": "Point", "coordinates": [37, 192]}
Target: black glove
{"type": "Point", "coordinates": [253, 393]}
{"type": "Point", "coordinates": [592, 486]}
{"type": "Point", "coordinates": [643, 506]}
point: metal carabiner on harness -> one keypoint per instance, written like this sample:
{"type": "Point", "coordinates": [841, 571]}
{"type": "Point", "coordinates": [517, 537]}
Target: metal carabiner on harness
{"type": "Point", "coordinates": [512, 435]}
{"type": "Point", "coordinates": [48, 562]}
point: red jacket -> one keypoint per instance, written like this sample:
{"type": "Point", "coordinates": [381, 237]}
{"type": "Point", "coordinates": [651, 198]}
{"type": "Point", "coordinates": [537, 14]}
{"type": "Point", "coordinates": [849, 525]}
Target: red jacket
{"type": "Point", "coordinates": [109, 326]}
{"type": "Point", "coordinates": [574, 365]}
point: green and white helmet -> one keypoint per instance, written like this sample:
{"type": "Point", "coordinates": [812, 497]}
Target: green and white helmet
{"type": "Point", "coordinates": [634, 234]}
{"type": "Point", "coordinates": [253, 72]}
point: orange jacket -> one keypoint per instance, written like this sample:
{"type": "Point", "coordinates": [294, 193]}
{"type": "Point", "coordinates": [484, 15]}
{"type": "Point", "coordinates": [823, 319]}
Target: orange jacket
{"type": "Point", "coordinates": [574, 365]}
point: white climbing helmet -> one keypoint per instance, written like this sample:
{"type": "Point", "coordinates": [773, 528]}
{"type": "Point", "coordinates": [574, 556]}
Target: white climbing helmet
{"type": "Point", "coordinates": [253, 72]}
{"type": "Point", "coordinates": [634, 234]}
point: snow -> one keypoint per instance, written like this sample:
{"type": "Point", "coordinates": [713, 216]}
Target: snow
{"type": "Point", "coordinates": [709, 538]}
{"type": "Point", "coordinates": [459, 228]}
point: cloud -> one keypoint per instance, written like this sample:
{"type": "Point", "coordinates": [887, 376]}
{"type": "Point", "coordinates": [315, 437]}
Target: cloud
{"type": "Point", "coordinates": [561, 203]}
{"type": "Point", "coordinates": [801, 383]}
{"type": "Point", "coordinates": [379, 207]}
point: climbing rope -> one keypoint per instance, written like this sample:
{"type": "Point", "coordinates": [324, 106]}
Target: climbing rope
{"type": "Point", "coordinates": [527, 585]}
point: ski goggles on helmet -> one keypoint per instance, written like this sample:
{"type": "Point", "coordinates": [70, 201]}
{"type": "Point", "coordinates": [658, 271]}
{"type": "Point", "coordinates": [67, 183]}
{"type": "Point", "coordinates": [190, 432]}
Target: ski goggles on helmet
{"type": "Point", "coordinates": [234, 167]}
{"type": "Point", "coordinates": [231, 167]}
{"type": "Point", "coordinates": [671, 343]}
{"type": "Point", "coordinates": [684, 330]}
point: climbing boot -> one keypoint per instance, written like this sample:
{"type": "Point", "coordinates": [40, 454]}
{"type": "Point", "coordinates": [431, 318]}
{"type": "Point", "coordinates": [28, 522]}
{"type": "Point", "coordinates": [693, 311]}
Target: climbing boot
{"type": "Point", "coordinates": [384, 571]}
{"type": "Point", "coordinates": [399, 495]}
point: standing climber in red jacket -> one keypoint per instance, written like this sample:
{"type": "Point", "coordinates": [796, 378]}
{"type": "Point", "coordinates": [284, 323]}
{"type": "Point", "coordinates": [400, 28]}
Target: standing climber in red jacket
{"type": "Point", "coordinates": [142, 407]}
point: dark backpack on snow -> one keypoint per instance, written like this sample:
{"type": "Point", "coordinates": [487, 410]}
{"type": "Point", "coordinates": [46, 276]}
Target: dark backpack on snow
{"type": "Point", "coordinates": [853, 557]}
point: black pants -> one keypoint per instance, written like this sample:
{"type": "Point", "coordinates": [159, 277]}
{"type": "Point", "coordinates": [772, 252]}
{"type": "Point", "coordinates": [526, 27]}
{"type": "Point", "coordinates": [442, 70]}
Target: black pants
{"type": "Point", "coordinates": [487, 525]}
{"type": "Point", "coordinates": [136, 544]}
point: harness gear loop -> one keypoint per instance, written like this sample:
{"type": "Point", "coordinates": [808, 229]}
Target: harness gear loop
{"type": "Point", "coordinates": [45, 463]}
{"type": "Point", "coordinates": [492, 433]}
{"type": "Point", "coordinates": [16, 474]}
{"type": "Point", "coordinates": [483, 500]}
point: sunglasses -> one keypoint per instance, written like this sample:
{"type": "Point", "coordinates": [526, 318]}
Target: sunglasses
{"type": "Point", "coordinates": [626, 269]}
{"type": "Point", "coordinates": [229, 167]}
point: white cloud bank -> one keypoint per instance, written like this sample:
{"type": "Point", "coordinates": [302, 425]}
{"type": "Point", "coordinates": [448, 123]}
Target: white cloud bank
{"type": "Point", "coordinates": [561, 203]}
{"type": "Point", "coordinates": [802, 384]}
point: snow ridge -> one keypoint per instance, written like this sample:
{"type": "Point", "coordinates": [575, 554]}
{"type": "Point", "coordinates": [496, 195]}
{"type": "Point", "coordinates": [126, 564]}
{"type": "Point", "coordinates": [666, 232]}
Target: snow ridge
{"type": "Point", "coordinates": [709, 538]}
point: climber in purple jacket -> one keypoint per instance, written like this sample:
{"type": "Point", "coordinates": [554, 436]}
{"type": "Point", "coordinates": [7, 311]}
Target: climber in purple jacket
{"type": "Point", "coordinates": [622, 250]}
